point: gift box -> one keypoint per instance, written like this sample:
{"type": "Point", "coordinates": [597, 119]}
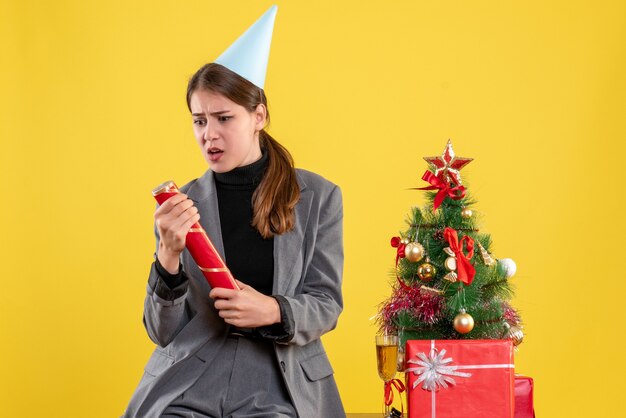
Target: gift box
{"type": "Point", "coordinates": [524, 406]}
{"type": "Point", "coordinates": [460, 378]}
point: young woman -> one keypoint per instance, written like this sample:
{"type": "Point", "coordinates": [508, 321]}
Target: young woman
{"type": "Point", "coordinates": [254, 352]}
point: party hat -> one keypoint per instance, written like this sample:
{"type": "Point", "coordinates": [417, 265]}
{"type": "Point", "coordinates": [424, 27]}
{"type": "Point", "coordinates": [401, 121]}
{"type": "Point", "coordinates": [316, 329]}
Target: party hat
{"type": "Point", "coordinates": [249, 54]}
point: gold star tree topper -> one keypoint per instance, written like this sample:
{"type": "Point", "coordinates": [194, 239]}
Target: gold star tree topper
{"type": "Point", "coordinates": [448, 165]}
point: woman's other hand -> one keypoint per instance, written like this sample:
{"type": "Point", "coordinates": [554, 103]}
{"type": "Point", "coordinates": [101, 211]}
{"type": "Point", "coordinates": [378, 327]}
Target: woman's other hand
{"type": "Point", "coordinates": [245, 308]}
{"type": "Point", "coordinates": [173, 219]}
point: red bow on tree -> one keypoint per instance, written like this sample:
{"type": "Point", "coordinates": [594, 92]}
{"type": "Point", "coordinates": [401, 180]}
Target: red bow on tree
{"type": "Point", "coordinates": [464, 269]}
{"type": "Point", "coordinates": [397, 383]}
{"type": "Point", "coordinates": [456, 193]}
{"type": "Point", "coordinates": [396, 242]}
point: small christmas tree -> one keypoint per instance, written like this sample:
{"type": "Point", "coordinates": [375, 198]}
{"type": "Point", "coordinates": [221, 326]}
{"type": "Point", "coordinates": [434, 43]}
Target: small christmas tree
{"type": "Point", "coordinates": [447, 284]}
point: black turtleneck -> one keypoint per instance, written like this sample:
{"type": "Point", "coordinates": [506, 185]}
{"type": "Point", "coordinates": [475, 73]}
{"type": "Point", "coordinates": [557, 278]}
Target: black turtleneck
{"type": "Point", "coordinates": [249, 256]}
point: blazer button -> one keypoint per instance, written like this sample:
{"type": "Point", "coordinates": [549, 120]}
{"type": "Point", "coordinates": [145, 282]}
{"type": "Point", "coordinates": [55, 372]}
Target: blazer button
{"type": "Point", "coordinates": [282, 365]}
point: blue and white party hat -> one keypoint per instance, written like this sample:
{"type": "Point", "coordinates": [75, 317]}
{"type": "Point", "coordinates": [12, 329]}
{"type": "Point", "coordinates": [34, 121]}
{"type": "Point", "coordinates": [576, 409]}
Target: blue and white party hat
{"type": "Point", "coordinates": [249, 54]}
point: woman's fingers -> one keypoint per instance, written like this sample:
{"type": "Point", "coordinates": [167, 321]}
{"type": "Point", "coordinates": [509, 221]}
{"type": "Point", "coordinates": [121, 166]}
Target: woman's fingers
{"type": "Point", "coordinates": [181, 208]}
{"type": "Point", "coordinates": [223, 303]}
{"type": "Point", "coordinates": [222, 293]}
{"type": "Point", "coordinates": [170, 203]}
{"type": "Point", "coordinates": [246, 307]}
{"type": "Point", "coordinates": [183, 222]}
{"type": "Point", "coordinates": [174, 218]}
{"type": "Point", "coordinates": [185, 227]}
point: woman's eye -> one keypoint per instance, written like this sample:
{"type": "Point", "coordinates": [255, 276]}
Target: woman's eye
{"type": "Point", "coordinates": [199, 122]}
{"type": "Point", "coordinates": [224, 118]}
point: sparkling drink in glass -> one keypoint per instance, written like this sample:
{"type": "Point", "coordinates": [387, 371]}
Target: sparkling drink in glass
{"type": "Point", "coordinates": [387, 360]}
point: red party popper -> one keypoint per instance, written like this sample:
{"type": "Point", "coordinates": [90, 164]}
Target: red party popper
{"type": "Point", "coordinates": [200, 246]}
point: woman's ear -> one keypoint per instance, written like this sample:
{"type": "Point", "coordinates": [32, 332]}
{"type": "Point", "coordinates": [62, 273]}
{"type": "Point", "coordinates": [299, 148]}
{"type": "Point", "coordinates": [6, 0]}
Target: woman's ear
{"type": "Point", "coordinates": [260, 114]}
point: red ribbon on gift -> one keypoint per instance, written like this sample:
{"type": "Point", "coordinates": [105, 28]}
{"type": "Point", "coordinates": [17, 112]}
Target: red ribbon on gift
{"type": "Point", "coordinates": [396, 242]}
{"type": "Point", "coordinates": [464, 269]}
{"type": "Point", "coordinates": [456, 193]}
{"type": "Point", "coordinates": [393, 383]}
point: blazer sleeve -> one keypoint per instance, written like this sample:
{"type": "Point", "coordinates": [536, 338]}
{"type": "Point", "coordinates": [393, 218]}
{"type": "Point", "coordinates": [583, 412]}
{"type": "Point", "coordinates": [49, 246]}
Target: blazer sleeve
{"type": "Point", "coordinates": [165, 308]}
{"type": "Point", "coordinates": [315, 308]}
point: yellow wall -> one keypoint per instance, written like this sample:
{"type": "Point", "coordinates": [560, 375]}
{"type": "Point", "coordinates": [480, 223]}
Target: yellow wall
{"type": "Point", "coordinates": [92, 116]}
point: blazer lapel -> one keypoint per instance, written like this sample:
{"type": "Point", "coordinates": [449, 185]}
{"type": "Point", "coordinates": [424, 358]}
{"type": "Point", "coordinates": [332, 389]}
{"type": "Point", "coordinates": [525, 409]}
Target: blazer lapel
{"type": "Point", "coordinates": [288, 246]}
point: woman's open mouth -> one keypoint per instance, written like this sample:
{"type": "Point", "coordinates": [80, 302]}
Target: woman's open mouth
{"type": "Point", "coordinates": [214, 153]}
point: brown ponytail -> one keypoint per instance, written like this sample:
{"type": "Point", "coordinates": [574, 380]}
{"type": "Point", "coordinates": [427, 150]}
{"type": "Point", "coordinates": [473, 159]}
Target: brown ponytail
{"type": "Point", "coordinates": [274, 200]}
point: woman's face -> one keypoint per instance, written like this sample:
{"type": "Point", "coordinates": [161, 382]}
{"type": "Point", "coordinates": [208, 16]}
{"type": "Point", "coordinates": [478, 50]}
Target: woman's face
{"type": "Point", "coordinates": [227, 133]}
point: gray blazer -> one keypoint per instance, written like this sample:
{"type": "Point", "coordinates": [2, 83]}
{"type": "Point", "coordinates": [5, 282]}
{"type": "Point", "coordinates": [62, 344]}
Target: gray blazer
{"type": "Point", "coordinates": [308, 269]}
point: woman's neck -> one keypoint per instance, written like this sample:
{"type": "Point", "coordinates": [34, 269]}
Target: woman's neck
{"type": "Point", "coordinates": [250, 174]}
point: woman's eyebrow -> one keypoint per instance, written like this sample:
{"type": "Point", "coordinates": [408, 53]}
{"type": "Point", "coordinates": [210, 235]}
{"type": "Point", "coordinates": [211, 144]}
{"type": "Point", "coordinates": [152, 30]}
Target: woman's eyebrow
{"type": "Point", "coordinates": [219, 112]}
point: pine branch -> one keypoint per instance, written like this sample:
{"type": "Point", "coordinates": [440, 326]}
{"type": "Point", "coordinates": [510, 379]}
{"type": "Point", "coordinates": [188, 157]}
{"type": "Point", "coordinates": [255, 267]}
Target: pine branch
{"type": "Point", "coordinates": [496, 283]}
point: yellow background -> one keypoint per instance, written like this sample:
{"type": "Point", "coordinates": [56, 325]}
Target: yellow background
{"type": "Point", "coordinates": [93, 116]}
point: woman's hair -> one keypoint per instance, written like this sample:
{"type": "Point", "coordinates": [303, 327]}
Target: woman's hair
{"type": "Point", "coordinates": [275, 198]}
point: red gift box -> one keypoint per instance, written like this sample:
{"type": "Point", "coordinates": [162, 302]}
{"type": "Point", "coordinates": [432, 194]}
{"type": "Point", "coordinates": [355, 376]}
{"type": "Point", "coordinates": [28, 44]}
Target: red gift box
{"type": "Point", "coordinates": [460, 378]}
{"type": "Point", "coordinates": [524, 407]}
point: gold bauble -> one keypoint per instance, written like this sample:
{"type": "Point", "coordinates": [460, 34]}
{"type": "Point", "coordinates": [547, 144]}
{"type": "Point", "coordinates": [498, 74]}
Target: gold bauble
{"type": "Point", "coordinates": [404, 241]}
{"type": "Point", "coordinates": [450, 263]}
{"type": "Point", "coordinates": [426, 271]}
{"type": "Point", "coordinates": [516, 335]}
{"type": "Point", "coordinates": [414, 252]}
{"type": "Point", "coordinates": [466, 213]}
{"type": "Point", "coordinates": [463, 322]}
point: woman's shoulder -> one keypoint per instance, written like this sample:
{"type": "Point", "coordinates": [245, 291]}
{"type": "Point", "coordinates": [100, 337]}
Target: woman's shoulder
{"type": "Point", "coordinates": [325, 192]}
{"type": "Point", "coordinates": [309, 179]}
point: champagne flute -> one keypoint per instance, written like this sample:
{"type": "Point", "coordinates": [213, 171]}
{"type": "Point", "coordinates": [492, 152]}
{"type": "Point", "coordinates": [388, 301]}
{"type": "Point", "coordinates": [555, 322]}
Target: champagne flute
{"type": "Point", "coordinates": [387, 360]}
